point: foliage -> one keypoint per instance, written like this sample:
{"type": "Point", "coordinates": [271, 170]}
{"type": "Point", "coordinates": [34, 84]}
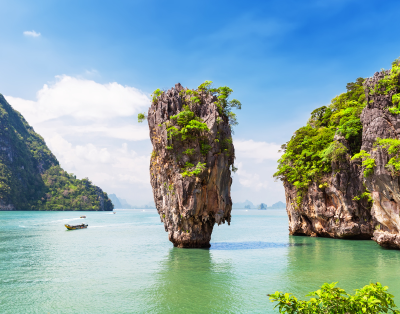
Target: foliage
{"type": "Point", "coordinates": [204, 148]}
{"type": "Point", "coordinates": [189, 151]}
{"type": "Point", "coordinates": [157, 93]}
{"type": "Point", "coordinates": [393, 147]}
{"type": "Point", "coordinates": [30, 176]}
{"type": "Point", "coordinates": [312, 148]}
{"type": "Point", "coordinates": [390, 82]}
{"type": "Point", "coordinates": [366, 195]}
{"type": "Point", "coordinates": [367, 162]}
{"type": "Point", "coordinates": [195, 172]}
{"type": "Point", "coordinates": [234, 169]}
{"type": "Point", "coordinates": [66, 192]}
{"type": "Point", "coordinates": [323, 185]}
{"type": "Point", "coordinates": [335, 152]}
{"type": "Point", "coordinates": [189, 125]}
{"type": "Point", "coordinates": [370, 299]}
{"type": "Point", "coordinates": [186, 128]}
{"type": "Point", "coordinates": [141, 117]}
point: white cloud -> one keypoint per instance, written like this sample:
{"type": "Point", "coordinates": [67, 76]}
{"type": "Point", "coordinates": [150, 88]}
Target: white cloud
{"type": "Point", "coordinates": [92, 129]}
{"type": "Point", "coordinates": [117, 169]}
{"type": "Point", "coordinates": [81, 99]}
{"type": "Point", "coordinates": [256, 163]}
{"type": "Point", "coordinates": [259, 151]}
{"type": "Point", "coordinates": [31, 33]}
{"type": "Point", "coordinates": [84, 123]}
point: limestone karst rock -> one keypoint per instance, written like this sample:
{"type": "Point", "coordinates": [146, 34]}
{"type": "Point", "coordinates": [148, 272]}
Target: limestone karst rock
{"type": "Point", "coordinates": [190, 164]}
{"type": "Point", "coordinates": [348, 186]}
{"type": "Point", "coordinates": [379, 123]}
{"type": "Point", "coordinates": [330, 210]}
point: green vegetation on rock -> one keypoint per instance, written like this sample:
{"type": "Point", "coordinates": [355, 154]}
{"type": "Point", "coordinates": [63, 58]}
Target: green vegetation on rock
{"type": "Point", "coordinates": [393, 147]}
{"type": "Point", "coordinates": [308, 156]}
{"type": "Point", "coordinates": [309, 153]}
{"type": "Point", "coordinates": [371, 299]}
{"type": "Point", "coordinates": [186, 128]}
{"type": "Point", "coordinates": [367, 162]}
{"type": "Point", "coordinates": [30, 175]}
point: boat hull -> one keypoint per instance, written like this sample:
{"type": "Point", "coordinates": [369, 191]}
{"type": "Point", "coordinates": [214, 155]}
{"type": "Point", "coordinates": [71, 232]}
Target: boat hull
{"type": "Point", "coordinates": [76, 227]}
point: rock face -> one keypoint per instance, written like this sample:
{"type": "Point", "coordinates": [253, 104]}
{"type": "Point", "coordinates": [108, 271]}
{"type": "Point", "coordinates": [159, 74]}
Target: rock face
{"type": "Point", "coordinates": [378, 122]}
{"type": "Point", "coordinates": [190, 205]}
{"type": "Point", "coordinates": [330, 211]}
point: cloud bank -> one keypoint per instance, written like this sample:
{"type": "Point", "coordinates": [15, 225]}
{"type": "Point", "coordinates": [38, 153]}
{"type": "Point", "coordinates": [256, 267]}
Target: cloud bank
{"type": "Point", "coordinates": [92, 129]}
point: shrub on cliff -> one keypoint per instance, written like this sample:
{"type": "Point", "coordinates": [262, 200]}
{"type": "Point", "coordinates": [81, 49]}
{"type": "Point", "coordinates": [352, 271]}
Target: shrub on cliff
{"type": "Point", "coordinates": [370, 299]}
{"type": "Point", "coordinates": [187, 127]}
{"type": "Point", "coordinates": [309, 153]}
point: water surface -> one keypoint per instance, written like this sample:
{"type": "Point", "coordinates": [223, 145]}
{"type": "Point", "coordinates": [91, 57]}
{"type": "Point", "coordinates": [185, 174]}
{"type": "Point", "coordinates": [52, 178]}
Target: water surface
{"type": "Point", "coordinates": [124, 263]}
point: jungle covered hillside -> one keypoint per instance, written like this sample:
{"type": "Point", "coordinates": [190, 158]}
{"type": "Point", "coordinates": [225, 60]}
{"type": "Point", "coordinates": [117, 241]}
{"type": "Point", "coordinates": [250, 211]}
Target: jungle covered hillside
{"type": "Point", "coordinates": [30, 175]}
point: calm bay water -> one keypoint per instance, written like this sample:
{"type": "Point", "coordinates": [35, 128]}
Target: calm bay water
{"type": "Point", "coordinates": [124, 263]}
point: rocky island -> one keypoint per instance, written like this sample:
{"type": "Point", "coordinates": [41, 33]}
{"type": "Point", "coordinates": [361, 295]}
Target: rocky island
{"type": "Point", "coordinates": [30, 175]}
{"type": "Point", "coordinates": [192, 159]}
{"type": "Point", "coordinates": [341, 171]}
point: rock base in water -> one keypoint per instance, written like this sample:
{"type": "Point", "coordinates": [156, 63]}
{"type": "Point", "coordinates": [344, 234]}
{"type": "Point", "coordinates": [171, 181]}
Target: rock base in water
{"type": "Point", "coordinates": [190, 165]}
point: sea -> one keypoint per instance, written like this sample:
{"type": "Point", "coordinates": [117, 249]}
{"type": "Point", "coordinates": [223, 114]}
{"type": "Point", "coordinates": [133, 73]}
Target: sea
{"type": "Point", "coordinates": [124, 263]}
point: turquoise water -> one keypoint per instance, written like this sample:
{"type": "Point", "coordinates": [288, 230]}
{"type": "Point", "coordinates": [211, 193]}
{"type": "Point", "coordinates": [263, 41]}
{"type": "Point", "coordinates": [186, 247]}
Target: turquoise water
{"type": "Point", "coordinates": [124, 263]}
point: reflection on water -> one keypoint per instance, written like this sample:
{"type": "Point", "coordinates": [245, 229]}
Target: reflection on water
{"type": "Point", "coordinates": [353, 263]}
{"type": "Point", "coordinates": [124, 263]}
{"type": "Point", "coordinates": [191, 281]}
{"type": "Point", "coordinates": [252, 245]}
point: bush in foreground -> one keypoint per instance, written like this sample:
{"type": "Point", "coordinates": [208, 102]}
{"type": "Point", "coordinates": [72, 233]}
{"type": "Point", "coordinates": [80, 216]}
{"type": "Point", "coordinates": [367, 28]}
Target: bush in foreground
{"type": "Point", "coordinates": [372, 298]}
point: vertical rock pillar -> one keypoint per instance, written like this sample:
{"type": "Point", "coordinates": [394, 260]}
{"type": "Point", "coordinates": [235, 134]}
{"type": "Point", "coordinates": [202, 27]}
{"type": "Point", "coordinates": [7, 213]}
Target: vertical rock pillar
{"type": "Point", "coordinates": [190, 164]}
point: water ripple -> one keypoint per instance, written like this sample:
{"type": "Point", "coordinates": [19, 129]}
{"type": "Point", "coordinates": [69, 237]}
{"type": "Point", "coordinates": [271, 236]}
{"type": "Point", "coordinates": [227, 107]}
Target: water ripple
{"type": "Point", "coordinates": [251, 245]}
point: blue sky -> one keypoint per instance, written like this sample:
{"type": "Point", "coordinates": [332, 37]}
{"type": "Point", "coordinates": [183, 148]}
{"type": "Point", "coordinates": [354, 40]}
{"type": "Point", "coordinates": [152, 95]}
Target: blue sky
{"type": "Point", "coordinates": [282, 59]}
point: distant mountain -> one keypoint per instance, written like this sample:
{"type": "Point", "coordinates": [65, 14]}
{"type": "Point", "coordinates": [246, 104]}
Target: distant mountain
{"type": "Point", "coordinates": [120, 203]}
{"type": "Point", "coordinates": [245, 205]}
{"type": "Point", "coordinates": [249, 205]}
{"type": "Point", "coordinates": [279, 205]}
{"type": "Point", "coordinates": [262, 206]}
{"type": "Point", "coordinates": [115, 200]}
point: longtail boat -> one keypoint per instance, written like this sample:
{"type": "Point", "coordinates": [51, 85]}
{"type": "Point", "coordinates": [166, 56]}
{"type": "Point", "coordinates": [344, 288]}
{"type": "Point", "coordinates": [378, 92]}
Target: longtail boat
{"type": "Point", "coordinates": [82, 226]}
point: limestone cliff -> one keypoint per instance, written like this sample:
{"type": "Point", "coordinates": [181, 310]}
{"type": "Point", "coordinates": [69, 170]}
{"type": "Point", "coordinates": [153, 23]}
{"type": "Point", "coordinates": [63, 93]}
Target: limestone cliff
{"type": "Point", "coordinates": [329, 209]}
{"type": "Point", "coordinates": [379, 123]}
{"type": "Point", "coordinates": [190, 164]}
{"type": "Point", "coordinates": [341, 171]}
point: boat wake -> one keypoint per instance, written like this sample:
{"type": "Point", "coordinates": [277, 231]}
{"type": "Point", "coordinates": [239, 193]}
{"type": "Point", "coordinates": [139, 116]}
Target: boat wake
{"type": "Point", "coordinates": [65, 220]}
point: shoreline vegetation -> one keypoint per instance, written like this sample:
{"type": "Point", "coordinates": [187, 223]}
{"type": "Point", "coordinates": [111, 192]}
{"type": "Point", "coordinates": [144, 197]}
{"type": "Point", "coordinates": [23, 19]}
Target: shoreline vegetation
{"type": "Point", "coordinates": [370, 299]}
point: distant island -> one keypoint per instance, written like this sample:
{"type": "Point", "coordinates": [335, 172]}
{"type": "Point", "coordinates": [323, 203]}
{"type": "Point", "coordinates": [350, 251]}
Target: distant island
{"type": "Point", "coordinates": [30, 175]}
{"type": "Point", "coordinates": [120, 203]}
{"type": "Point", "coordinates": [249, 205]}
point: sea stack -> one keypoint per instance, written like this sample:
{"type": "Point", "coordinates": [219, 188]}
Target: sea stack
{"type": "Point", "coordinates": [190, 164]}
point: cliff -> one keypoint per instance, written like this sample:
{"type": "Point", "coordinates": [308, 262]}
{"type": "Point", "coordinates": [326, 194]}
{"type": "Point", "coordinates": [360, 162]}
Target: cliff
{"type": "Point", "coordinates": [30, 175]}
{"type": "Point", "coordinates": [341, 171]}
{"type": "Point", "coordinates": [381, 130]}
{"type": "Point", "coordinates": [190, 164]}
